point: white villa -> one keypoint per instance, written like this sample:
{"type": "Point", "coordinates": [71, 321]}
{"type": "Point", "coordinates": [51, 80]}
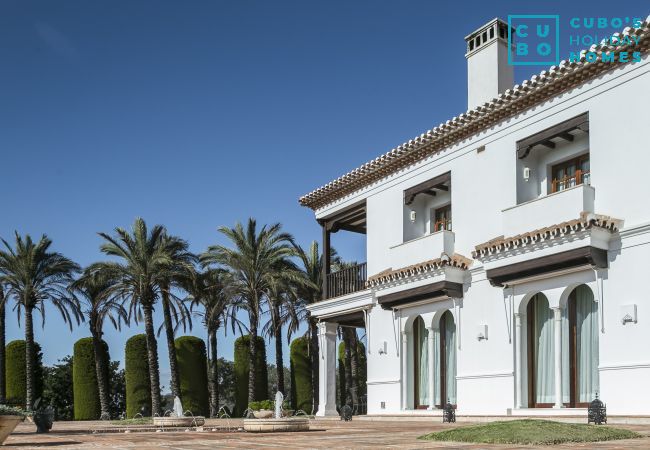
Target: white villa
{"type": "Point", "coordinates": [506, 248]}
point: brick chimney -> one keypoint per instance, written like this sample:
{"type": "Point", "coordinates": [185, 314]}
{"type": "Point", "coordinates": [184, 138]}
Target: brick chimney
{"type": "Point", "coordinates": [488, 71]}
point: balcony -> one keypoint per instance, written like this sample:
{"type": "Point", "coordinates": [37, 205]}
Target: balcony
{"type": "Point", "coordinates": [347, 280]}
{"type": "Point", "coordinates": [427, 247]}
{"type": "Point", "coordinates": [552, 209]}
{"type": "Point", "coordinates": [351, 278]}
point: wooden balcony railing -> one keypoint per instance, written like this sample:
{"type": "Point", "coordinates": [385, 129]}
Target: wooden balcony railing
{"type": "Point", "coordinates": [441, 225]}
{"type": "Point", "coordinates": [560, 184]}
{"type": "Point", "coordinates": [347, 281]}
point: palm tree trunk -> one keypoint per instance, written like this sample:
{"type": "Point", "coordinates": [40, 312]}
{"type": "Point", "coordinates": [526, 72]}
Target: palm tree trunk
{"type": "Point", "coordinates": [279, 364]}
{"type": "Point", "coordinates": [101, 371]}
{"type": "Point", "coordinates": [3, 392]}
{"type": "Point", "coordinates": [252, 349]}
{"type": "Point", "coordinates": [30, 358]}
{"type": "Point", "coordinates": [213, 380]}
{"type": "Point", "coordinates": [152, 356]}
{"type": "Point", "coordinates": [354, 365]}
{"type": "Point", "coordinates": [348, 365]}
{"type": "Point", "coordinates": [171, 348]}
{"type": "Point", "coordinates": [314, 364]}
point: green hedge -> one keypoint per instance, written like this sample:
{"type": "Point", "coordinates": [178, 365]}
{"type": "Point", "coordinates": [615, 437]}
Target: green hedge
{"type": "Point", "coordinates": [15, 381]}
{"type": "Point", "coordinates": [241, 373]}
{"type": "Point", "coordinates": [193, 374]}
{"type": "Point", "coordinates": [301, 383]}
{"type": "Point", "coordinates": [84, 380]}
{"type": "Point", "coordinates": [138, 386]}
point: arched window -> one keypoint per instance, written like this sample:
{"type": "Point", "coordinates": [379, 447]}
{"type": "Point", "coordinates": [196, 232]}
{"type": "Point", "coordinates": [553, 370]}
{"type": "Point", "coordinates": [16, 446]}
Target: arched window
{"type": "Point", "coordinates": [421, 363]}
{"type": "Point", "coordinates": [583, 380]}
{"type": "Point", "coordinates": [541, 384]}
{"type": "Point", "coordinates": [447, 363]}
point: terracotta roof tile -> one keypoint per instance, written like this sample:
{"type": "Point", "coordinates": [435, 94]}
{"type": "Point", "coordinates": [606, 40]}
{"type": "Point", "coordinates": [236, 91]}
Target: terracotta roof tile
{"type": "Point", "coordinates": [389, 275]}
{"type": "Point", "coordinates": [586, 221]}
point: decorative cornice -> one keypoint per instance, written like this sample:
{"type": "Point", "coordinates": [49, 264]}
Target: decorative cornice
{"type": "Point", "coordinates": [390, 275]}
{"type": "Point", "coordinates": [557, 231]}
{"type": "Point", "coordinates": [538, 89]}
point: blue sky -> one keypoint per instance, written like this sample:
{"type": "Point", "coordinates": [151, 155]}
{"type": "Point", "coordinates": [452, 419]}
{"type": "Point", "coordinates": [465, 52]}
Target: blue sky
{"type": "Point", "coordinates": [200, 114]}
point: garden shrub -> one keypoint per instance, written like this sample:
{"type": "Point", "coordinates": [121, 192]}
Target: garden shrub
{"type": "Point", "coordinates": [301, 383]}
{"type": "Point", "coordinates": [138, 386]}
{"type": "Point", "coordinates": [15, 380]}
{"type": "Point", "coordinates": [84, 380]}
{"type": "Point", "coordinates": [241, 373]}
{"type": "Point", "coordinates": [193, 374]}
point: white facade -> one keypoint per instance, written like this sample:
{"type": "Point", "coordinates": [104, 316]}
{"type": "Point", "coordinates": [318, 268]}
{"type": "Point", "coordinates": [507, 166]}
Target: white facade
{"type": "Point", "coordinates": [495, 194]}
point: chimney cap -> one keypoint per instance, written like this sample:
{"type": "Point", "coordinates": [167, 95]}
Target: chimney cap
{"type": "Point", "coordinates": [495, 30]}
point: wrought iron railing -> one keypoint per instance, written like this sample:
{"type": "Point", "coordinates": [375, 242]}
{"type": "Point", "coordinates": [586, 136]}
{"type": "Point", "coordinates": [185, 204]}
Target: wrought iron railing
{"type": "Point", "coordinates": [347, 280]}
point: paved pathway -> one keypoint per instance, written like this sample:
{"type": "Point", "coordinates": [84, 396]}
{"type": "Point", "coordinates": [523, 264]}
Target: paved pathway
{"type": "Point", "coordinates": [357, 434]}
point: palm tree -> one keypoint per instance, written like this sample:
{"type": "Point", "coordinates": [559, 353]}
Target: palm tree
{"type": "Point", "coordinates": [143, 260]}
{"type": "Point", "coordinates": [3, 391]}
{"type": "Point", "coordinates": [207, 290]}
{"type": "Point", "coordinates": [278, 296]}
{"type": "Point", "coordinates": [99, 305]}
{"type": "Point", "coordinates": [351, 364]}
{"type": "Point", "coordinates": [284, 309]}
{"type": "Point", "coordinates": [255, 264]}
{"type": "Point", "coordinates": [309, 293]}
{"type": "Point", "coordinates": [175, 312]}
{"type": "Point", "coordinates": [33, 275]}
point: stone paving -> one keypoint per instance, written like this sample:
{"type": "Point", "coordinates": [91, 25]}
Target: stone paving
{"type": "Point", "coordinates": [358, 434]}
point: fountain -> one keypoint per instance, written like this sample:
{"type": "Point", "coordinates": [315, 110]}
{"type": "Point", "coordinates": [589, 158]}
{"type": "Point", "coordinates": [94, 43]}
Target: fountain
{"type": "Point", "coordinates": [177, 418]}
{"type": "Point", "coordinates": [278, 422]}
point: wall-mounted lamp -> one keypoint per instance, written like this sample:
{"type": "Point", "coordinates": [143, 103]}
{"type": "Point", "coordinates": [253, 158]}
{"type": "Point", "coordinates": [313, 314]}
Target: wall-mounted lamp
{"type": "Point", "coordinates": [482, 332]}
{"type": "Point", "coordinates": [628, 314]}
{"type": "Point", "coordinates": [412, 216]}
{"type": "Point", "coordinates": [526, 173]}
{"type": "Point", "coordinates": [383, 349]}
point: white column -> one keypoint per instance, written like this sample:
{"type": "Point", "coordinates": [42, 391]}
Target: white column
{"type": "Point", "coordinates": [518, 356]}
{"type": "Point", "coordinates": [405, 370]}
{"type": "Point", "coordinates": [557, 330]}
{"type": "Point", "coordinates": [327, 369]}
{"type": "Point", "coordinates": [432, 373]}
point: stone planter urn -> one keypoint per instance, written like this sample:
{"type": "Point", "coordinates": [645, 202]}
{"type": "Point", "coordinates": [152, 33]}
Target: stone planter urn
{"type": "Point", "coordinates": [7, 425]}
{"type": "Point", "coordinates": [263, 414]}
{"type": "Point", "coordinates": [44, 420]}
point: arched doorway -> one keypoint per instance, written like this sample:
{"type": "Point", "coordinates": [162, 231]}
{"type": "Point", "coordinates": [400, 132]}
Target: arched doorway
{"type": "Point", "coordinates": [541, 384]}
{"type": "Point", "coordinates": [421, 364]}
{"type": "Point", "coordinates": [579, 350]}
{"type": "Point", "coordinates": [447, 360]}
{"type": "Point", "coordinates": [582, 374]}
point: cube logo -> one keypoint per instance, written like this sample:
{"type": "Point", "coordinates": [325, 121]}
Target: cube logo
{"type": "Point", "coordinates": [533, 40]}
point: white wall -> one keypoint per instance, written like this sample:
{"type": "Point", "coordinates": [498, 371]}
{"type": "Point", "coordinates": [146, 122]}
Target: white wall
{"type": "Point", "coordinates": [485, 183]}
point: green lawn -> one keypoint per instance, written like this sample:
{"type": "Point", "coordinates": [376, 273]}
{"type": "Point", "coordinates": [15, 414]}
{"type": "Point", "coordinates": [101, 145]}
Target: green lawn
{"type": "Point", "coordinates": [536, 432]}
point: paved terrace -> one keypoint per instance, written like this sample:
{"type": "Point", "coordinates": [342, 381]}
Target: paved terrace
{"type": "Point", "coordinates": [358, 434]}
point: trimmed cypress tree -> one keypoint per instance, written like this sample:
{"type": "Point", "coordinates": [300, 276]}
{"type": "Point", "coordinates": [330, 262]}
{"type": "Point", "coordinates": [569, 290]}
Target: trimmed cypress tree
{"type": "Point", "coordinates": [138, 388]}
{"type": "Point", "coordinates": [193, 374]}
{"type": "Point", "coordinates": [301, 387]}
{"type": "Point", "coordinates": [241, 373]}
{"type": "Point", "coordinates": [84, 380]}
{"type": "Point", "coordinates": [16, 385]}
